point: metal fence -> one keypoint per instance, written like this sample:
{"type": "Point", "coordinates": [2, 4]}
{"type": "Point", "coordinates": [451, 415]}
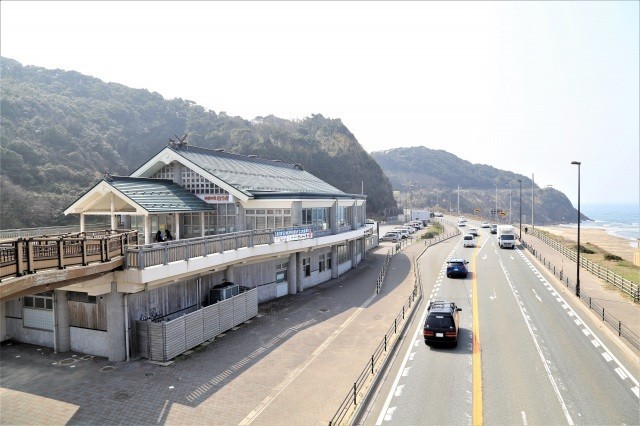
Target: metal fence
{"type": "Point", "coordinates": [617, 325]}
{"type": "Point", "coordinates": [605, 274]}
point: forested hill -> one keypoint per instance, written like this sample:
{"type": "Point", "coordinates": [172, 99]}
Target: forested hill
{"type": "Point", "coordinates": [432, 177]}
{"type": "Point", "coordinates": [61, 131]}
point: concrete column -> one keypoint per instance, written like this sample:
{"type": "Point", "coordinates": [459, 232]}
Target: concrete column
{"type": "Point", "coordinates": [352, 250]}
{"type": "Point", "coordinates": [202, 231]}
{"type": "Point", "coordinates": [3, 322]}
{"type": "Point", "coordinates": [292, 273]}
{"type": "Point", "coordinates": [147, 230]}
{"type": "Point", "coordinates": [229, 274]}
{"type": "Point", "coordinates": [333, 218]}
{"type": "Point", "coordinates": [241, 223]}
{"type": "Point", "coordinates": [176, 226]}
{"type": "Point", "coordinates": [300, 271]}
{"type": "Point", "coordinates": [114, 225]}
{"type": "Point", "coordinates": [63, 333]}
{"type": "Point", "coordinates": [334, 262]}
{"type": "Point", "coordinates": [81, 222]}
{"type": "Point", "coordinates": [115, 325]}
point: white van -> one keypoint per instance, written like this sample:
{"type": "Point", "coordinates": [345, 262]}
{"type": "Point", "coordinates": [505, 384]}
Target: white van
{"type": "Point", "coordinates": [469, 240]}
{"type": "Point", "coordinates": [402, 231]}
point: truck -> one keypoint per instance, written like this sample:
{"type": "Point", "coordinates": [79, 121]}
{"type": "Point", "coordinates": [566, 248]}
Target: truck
{"type": "Point", "coordinates": [506, 236]}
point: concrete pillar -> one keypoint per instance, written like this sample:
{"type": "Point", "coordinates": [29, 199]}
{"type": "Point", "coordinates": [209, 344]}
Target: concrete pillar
{"type": "Point", "coordinates": [334, 262]}
{"type": "Point", "coordinates": [176, 226]}
{"type": "Point", "coordinates": [115, 325]}
{"type": "Point", "coordinates": [63, 333]}
{"type": "Point", "coordinates": [352, 250]}
{"type": "Point", "coordinates": [81, 222]}
{"type": "Point", "coordinates": [147, 230]}
{"type": "Point", "coordinates": [229, 274]}
{"type": "Point", "coordinates": [300, 271]}
{"type": "Point", "coordinates": [292, 273]}
{"type": "Point", "coordinates": [114, 224]}
{"type": "Point", "coordinates": [241, 223]}
{"type": "Point", "coordinates": [3, 322]}
{"type": "Point", "coordinates": [202, 231]}
{"type": "Point", "coordinates": [333, 218]}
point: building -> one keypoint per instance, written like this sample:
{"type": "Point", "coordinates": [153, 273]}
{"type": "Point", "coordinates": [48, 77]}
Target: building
{"type": "Point", "coordinates": [267, 227]}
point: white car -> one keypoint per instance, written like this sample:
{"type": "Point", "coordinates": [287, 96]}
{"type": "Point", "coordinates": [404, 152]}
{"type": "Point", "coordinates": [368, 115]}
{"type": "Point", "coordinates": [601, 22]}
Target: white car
{"type": "Point", "coordinates": [391, 236]}
{"type": "Point", "coordinates": [404, 233]}
{"type": "Point", "coordinates": [484, 225]}
{"type": "Point", "coordinates": [473, 231]}
{"type": "Point", "coordinates": [469, 241]}
{"type": "Point", "coordinates": [462, 223]}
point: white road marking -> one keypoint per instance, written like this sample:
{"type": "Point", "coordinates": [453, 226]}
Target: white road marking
{"type": "Point", "coordinates": [389, 414]}
{"type": "Point", "coordinates": [493, 297]}
{"type": "Point", "coordinates": [621, 373]}
{"type": "Point", "coordinates": [524, 418]}
{"type": "Point", "coordinates": [595, 342]}
{"type": "Point", "coordinates": [606, 356]}
{"type": "Point", "coordinates": [636, 390]}
{"type": "Point", "coordinates": [537, 297]}
{"type": "Point", "coordinates": [398, 391]}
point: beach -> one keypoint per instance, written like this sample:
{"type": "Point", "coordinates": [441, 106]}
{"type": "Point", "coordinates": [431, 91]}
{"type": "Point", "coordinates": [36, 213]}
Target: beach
{"type": "Point", "coordinates": [596, 236]}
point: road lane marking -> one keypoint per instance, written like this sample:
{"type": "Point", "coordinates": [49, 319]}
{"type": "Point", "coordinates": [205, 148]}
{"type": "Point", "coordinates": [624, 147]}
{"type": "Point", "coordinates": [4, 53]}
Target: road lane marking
{"type": "Point", "coordinates": [606, 356]}
{"type": "Point", "coordinates": [596, 339]}
{"type": "Point", "coordinates": [537, 297]}
{"type": "Point", "coordinates": [524, 418]}
{"type": "Point", "coordinates": [476, 404]}
{"type": "Point", "coordinates": [545, 363]}
{"type": "Point", "coordinates": [621, 373]}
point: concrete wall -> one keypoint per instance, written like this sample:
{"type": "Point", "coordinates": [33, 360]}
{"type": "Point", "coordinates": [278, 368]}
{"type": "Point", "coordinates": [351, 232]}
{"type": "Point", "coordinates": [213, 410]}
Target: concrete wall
{"type": "Point", "coordinates": [34, 336]}
{"type": "Point", "coordinates": [92, 342]}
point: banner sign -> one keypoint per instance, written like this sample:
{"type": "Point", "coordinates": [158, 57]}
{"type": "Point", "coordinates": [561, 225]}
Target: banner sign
{"type": "Point", "coordinates": [216, 198]}
{"type": "Point", "coordinates": [292, 234]}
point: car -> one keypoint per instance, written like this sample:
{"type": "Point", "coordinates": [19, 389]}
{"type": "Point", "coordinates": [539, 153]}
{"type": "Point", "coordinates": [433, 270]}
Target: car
{"type": "Point", "coordinates": [494, 228]}
{"type": "Point", "coordinates": [473, 231]}
{"type": "Point", "coordinates": [469, 240]}
{"type": "Point", "coordinates": [462, 223]}
{"type": "Point", "coordinates": [391, 236]}
{"type": "Point", "coordinates": [442, 323]}
{"type": "Point", "coordinates": [402, 232]}
{"type": "Point", "coordinates": [457, 268]}
{"type": "Point", "coordinates": [485, 225]}
{"type": "Point", "coordinates": [438, 214]}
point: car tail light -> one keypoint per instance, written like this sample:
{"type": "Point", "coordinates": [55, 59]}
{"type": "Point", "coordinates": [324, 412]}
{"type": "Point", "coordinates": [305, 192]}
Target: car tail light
{"type": "Point", "coordinates": [450, 334]}
{"type": "Point", "coordinates": [428, 333]}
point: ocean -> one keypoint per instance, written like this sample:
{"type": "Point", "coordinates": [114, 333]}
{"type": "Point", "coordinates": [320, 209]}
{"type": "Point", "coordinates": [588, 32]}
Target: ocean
{"type": "Point", "coordinates": [620, 220]}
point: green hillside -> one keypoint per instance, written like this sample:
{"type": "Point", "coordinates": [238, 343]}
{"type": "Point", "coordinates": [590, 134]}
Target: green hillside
{"type": "Point", "coordinates": [61, 131]}
{"type": "Point", "coordinates": [428, 178]}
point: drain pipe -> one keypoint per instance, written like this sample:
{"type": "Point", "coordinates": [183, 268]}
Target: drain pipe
{"type": "Point", "coordinates": [126, 326]}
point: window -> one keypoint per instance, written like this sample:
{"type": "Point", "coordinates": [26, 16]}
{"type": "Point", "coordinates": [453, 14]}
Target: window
{"type": "Point", "coordinates": [343, 216]}
{"type": "Point", "coordinates": [317, 218]}
{"type": "Point", "coordinates": [306, 266]}
{"type": "Point", "coordinates": [267, 219]}
{"type": "Point", "coordinates": [324, 262]}
{"type": "Point", "coordinates": [39, 301]}
{"type": "Point", "coordinates": [38, 311]}
{"type": "Point", "coordinates": [343, 253]}
{"type": "Point", "coordinates": [281, 272]}
{"type": "Point", "coordinates": [75, 296]}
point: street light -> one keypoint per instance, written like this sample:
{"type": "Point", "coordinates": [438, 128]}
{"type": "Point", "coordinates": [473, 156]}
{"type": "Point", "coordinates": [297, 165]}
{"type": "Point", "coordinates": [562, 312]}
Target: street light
{"type": "Point", "coordinates": [577, 163]}
{"type": "Point", "coordinates": [520, 182]}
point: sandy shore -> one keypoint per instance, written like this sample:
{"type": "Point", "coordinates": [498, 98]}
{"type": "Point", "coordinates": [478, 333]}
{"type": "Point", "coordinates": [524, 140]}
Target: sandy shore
{"type": "Point", "coordinates": [596, 236]}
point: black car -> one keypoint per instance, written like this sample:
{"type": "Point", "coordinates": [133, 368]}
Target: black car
{"type": "Point", "coordinates": [457, 268]}
{"type": "Point", "coordinates": [442, 323]}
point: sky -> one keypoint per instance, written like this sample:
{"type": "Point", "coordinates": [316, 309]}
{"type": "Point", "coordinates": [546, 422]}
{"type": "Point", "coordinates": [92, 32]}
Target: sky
{"type": "Point", "coordinates": [527, 87]}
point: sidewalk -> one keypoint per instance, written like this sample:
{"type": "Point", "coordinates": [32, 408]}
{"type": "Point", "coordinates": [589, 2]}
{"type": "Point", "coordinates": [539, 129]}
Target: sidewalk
{"type": "Point", "coordinates": [616, 303]}
{"type": "Point", "coordinates": [292, 364]}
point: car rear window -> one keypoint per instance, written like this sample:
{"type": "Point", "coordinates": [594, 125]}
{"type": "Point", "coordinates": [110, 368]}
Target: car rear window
{"type": "Point", "coordinates": [439, 321]}
{"type": "Point", "coordinates": [468, 237]}
{"type": "Point", "coordinates": [508, 237]}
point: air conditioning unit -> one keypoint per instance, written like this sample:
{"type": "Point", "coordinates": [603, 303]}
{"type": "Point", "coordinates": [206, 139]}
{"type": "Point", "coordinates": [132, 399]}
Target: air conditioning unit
{"type": "Point", "coordinates": [223, 292]}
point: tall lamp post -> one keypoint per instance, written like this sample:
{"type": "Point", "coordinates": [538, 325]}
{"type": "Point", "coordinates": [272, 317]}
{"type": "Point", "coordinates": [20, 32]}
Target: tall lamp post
{"type": "Point", "coordinates": [577, 163]}
{"type": "Point", "coordinates": [520, 182]}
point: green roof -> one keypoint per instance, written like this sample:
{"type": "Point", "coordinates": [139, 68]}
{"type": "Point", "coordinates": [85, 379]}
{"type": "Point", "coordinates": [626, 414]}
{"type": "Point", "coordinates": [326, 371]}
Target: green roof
{"type": "Point", "coordinates": [158, 195]}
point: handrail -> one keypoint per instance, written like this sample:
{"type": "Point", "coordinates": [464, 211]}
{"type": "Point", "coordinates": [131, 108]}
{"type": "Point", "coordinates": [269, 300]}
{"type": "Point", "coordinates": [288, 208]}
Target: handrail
{"type": "Point", "coordinates": [605, 274]}
{"type": "Point", "coordinates": [20, 256]}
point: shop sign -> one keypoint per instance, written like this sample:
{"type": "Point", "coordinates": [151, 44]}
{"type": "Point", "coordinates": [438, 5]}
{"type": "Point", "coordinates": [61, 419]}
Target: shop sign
{"type": "Point", "coordinates": [216, 198]}
{"type": "Point", "coordinates": [292, 234]}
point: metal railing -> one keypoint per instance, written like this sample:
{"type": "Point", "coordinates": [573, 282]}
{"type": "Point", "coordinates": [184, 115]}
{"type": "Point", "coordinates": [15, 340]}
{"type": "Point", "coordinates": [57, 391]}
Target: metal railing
{"type": "Point", "coordinates": [48, 231]}
{"type": "Point", "coordinates": [616, 324]}
{"type": "Point", "coordinates": [605, 274]}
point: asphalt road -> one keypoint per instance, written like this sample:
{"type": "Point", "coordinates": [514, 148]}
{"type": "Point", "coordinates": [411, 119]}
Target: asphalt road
{"type": "Point", "coordinates": [540, 359]}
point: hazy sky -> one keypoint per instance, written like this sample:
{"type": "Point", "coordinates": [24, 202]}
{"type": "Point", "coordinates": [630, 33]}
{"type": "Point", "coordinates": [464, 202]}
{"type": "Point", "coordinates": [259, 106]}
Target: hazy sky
{"type": "Point", "coordinates": [522, 86]}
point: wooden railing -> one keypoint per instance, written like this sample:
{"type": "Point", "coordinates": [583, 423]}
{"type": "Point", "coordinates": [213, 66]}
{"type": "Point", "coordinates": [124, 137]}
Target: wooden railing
{"type": "Point", "coordinates": [21, 256]}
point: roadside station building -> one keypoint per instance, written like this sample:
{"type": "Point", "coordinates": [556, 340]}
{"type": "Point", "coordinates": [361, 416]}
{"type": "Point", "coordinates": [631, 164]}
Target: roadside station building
{"type": "Point", "coordinates": [237, 225]}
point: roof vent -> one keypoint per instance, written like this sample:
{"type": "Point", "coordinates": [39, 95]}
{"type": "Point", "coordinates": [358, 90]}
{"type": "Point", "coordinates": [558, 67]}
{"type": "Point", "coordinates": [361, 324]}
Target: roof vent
{"type": "Point", "coordinates": [219, 150]}
{"type": "Point", "coordinates": [252, 156]}
{"type": "Point", "coordinates": [277, 161]}
{"type": "Point", "coordinates": [298, 166]}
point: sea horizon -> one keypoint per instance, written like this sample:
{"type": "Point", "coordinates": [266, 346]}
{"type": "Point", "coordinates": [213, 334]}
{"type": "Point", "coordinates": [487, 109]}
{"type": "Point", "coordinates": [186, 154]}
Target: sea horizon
{"type": "Point", "coordinates": [617, 219]}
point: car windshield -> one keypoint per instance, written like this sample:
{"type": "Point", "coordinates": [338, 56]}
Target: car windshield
{"type": "Point", "coordinates": [508, 237]}
{"type": "Point", "coordinates": [439, 321]}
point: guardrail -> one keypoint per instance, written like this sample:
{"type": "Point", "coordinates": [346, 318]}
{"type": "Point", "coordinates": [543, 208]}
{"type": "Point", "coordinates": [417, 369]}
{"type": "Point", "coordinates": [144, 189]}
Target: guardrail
{"type": "Point", "coordinates": [379, 355]}
{"type": "Point", "coordinates": [605, 274]}
{"type": "Point", "coordinates": [611, 320]}
{"type": "Point", "coordinates": [23, 256]}
{"type": "Point", "coordinates": [49, 230]}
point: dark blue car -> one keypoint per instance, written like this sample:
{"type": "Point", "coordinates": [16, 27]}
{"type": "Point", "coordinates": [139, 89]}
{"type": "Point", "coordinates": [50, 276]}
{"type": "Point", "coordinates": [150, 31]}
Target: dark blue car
{"type": "Point", "coordinates": [457, 268]}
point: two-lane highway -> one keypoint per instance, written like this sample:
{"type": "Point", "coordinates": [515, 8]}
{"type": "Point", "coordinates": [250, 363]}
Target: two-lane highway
{"type": "Point", "coordinates": [526, 355]}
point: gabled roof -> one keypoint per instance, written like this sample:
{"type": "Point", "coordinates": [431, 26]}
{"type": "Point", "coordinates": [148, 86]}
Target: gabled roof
{"type": "Point", "coordinates": [243, 176]}
{"type": "Point", "coordinates": [137, 195]}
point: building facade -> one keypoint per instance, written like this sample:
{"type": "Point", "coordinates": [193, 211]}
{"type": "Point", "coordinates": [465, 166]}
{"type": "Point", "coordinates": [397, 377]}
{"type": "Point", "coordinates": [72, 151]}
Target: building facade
{"type": "Point", "coordinates": [207, 220]}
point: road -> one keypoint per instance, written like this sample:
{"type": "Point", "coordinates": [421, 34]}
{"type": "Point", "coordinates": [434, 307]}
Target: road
{"type": "Point", "coordinates": [537, 358]}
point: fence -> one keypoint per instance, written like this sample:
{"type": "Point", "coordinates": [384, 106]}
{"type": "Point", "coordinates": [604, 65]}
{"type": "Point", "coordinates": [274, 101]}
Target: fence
{"type": "Point", "coordinates": [597, 270]}
{"type": "Point", "coordinates": [369, 372]}
{"type": "Point", "coordinates": [163, 341]}
{"type": "Point", "coordinates": [612, 321]}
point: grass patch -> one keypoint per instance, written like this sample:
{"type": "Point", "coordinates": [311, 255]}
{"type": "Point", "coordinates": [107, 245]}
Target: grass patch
{"type": "Point", "coordinates": [434, 229]}
{"type": "Point", "coordinates": [612, 262]}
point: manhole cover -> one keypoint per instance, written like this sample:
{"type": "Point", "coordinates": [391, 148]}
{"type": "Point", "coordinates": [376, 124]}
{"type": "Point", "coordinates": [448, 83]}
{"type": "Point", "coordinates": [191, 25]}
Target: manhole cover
{"type": "Point", "coordinates": [107, 369]}
{"type": "Point", "coordinates": [121, 396]}
{"type": "Point", "coordinates": [87, 357]}
{"type": "Point", "coordinates": [323, 309]}
{"type": "Point", "coordinates": [67, 361]}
